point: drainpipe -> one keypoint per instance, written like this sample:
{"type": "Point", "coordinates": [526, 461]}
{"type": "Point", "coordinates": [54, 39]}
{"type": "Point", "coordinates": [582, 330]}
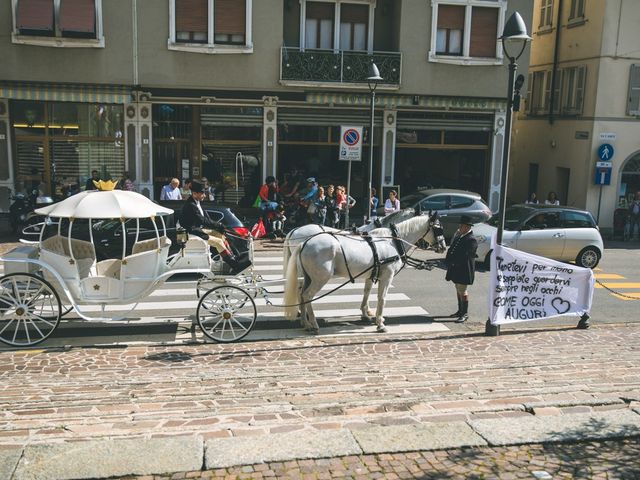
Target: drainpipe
{"type": "Point", "coordinates": [134, 16]}
{"type": "Point", "coordinates": [554, 71]}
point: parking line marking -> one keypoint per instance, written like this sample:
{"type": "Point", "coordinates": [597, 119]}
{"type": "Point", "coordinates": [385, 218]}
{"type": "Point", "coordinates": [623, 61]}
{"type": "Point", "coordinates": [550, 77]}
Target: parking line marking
{"type": "Point", "coordinates": [608, 276]}
{"type": "Point", "coordinates": [633, 295]}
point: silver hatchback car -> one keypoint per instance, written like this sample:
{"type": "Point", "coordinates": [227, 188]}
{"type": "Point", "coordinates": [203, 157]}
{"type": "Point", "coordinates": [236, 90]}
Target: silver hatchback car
{"type": "Point", "coordinates": [450, 204]}
{"type": "Point", "coordinates": [561, 233]}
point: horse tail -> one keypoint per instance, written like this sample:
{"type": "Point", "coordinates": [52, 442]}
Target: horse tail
{"type": "Point", "coordinates": [286, 252]}
{"type": "Point", "coordinates": [291, 296]}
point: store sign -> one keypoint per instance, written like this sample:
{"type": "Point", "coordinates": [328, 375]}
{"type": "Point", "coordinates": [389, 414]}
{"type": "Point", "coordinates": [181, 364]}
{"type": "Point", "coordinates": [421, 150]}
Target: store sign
{"type": "Point", "coordinates": [350, 143]}
{"type": "Point", "coordinates": [390, 101]}
{"type": "Point", "coordinates": [527, 287]}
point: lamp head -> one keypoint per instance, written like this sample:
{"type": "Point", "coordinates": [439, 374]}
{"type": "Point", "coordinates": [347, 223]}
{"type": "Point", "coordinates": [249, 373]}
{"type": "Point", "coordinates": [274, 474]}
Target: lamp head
{"type": "Point", "coordinates": [514, 36]}
{"type": "Point", "coordinates": [374, 74]}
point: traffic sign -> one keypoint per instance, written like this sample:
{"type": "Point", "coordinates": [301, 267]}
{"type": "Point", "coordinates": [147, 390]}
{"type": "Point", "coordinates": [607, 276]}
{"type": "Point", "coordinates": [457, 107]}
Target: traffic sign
{"type": "Point", "coordinates": [350, 143]}
{"type": "Point", "coordinates": [602, 176]}
{"type": "Point", "coordinates": [605, 152]}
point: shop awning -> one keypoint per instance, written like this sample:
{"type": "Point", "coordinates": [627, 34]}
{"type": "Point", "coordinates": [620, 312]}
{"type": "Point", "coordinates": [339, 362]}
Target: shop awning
{"type": "Point", "coordinates": [66, 93]}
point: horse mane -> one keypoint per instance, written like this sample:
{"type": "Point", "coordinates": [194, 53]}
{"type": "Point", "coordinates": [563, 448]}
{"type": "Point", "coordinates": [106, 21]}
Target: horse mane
{"type": "Point", "coordinates": [407, 227]}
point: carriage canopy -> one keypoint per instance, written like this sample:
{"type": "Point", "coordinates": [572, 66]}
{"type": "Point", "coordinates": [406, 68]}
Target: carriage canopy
{"type": "Point", "coordinates": [97, 204]}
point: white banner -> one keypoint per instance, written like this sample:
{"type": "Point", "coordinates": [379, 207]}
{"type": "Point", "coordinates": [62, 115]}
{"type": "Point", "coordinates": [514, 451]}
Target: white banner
{"type": "Point", "coordinates": [527, 287]}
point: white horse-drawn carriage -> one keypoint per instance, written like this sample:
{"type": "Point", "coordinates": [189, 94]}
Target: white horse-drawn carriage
{"type": "Point", "coordinates": [42, 282]}
{"type": "Point", "coordinates": [62, 272]}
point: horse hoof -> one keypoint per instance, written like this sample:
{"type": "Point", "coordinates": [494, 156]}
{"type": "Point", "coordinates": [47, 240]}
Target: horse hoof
{"type": "Point", "coordinates": [314, 331]}
{"type": "Point", "coordinates": [381, 329]}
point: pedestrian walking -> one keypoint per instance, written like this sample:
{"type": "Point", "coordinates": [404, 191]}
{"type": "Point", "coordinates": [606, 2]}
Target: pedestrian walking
{"type": "Point", "coordinates": [171, 191]}
{"type": "Point", "coordinates": [460, 261]}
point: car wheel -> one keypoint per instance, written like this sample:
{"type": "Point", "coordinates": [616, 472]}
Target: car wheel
{"type": "Point", "coordinates": [588, 257]}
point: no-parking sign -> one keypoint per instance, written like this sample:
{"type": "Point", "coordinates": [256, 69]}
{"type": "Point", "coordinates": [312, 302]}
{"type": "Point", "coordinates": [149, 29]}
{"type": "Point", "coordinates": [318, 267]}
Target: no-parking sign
{"type": "Point", "coordinates": [351, 143]}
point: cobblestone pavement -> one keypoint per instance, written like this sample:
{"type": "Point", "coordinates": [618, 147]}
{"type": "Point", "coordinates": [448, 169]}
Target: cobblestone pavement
{"type": "Point", "coordinates": [309, 385]}
{"type": "Point", "coordinates": [592, 460]}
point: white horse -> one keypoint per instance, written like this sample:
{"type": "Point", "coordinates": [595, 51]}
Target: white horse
{"type": "Point", "coordinates": [298, 235]}
{"type": "Point", "coordinates": [328, 255]}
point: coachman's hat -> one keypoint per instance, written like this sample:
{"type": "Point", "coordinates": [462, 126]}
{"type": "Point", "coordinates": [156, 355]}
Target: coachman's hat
{"type": "Point", "coordinates": [466, 220]}
{"type": "Point", "coordinates": [196, 187]}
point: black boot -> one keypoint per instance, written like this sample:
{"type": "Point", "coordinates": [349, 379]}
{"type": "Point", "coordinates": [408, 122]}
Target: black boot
{"type": "Point", "coordinates": [457, 314]}
{"type": "Point", "coordinates": [463, 317]}
{"type": "Point", "coordinates": [237, 264]}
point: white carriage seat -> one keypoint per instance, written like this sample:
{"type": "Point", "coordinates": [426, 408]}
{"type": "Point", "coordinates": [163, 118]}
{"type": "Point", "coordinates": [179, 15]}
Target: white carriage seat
{"type": "Point", "coordinates": [152, 244]}
{"type": "Point", "coordinates": [195, 254]}
{"type": "Point", "coordinates": [140, 270]}
{"type": "Point", "coordinates": [54, 251]}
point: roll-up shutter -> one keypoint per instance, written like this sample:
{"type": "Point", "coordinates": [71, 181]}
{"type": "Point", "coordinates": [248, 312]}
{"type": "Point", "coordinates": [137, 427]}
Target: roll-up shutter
{"type": "Point", "coordinates": [78, 16]}
{"type": "Point", "coordinates": [35, 15]}
{"type": "Point", "coordinates": [192, 16]}
{"type": "Point", "coordinates": [461, 124]}
{"type": "Point", "coordinates": [351, 13]}
{"type": "Point", "coordinates": [484, 32]}
{"type": "Point", "coordinates": [451, 17]}
{"type": "Point", "coordinates": [328, 119]}
{"type": "Point", "coordinates": [230, 16]}
{"type": "Point", "coordinates": [230, 120]}
{"type": "Point", "coordinates": [320, 10]}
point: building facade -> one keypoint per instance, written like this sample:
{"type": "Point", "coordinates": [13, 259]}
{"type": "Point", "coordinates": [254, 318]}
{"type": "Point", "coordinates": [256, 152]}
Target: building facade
{"type": "Point", "coordinates": [235, 90]}
{"type": "Point", "coordinates": [582, 107]}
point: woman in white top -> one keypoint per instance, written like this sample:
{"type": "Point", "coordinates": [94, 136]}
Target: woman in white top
{"type": "Point", "coordinates": [391, 204]}
{"type": "Point", "coordinates": [552, 199]}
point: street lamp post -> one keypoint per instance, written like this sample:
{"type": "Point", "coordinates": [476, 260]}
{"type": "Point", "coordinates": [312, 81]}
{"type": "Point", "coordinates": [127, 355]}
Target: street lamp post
{"type": "Point", "coordinates": [372, 80]}
{"type": "Point", "coordinates": [514, 40]}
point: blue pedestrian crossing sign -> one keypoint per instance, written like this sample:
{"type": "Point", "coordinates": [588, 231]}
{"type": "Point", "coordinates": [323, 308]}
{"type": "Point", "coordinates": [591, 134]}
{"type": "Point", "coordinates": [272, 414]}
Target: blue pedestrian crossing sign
{"type": "Point", "coordinates": [605, 152]}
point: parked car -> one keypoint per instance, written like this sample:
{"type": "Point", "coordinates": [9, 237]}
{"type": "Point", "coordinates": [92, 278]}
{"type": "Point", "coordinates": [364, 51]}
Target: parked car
{"type": "Point", "coordinates": [107, 234]}
{"type": "Point", "coordinates": [450, 205]}
{"type": "Point", "coordinates": [561, 233]}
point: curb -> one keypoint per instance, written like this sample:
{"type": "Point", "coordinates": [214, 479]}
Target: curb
{"type": "Point", "coordinates": [106, 458]}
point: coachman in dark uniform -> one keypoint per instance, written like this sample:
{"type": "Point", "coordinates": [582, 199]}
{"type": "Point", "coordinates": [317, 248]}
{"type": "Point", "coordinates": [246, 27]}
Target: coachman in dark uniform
{"type": "Point", "coordinates": [195, 220]}
{"type": "Point", "coordinates": [460, 260]}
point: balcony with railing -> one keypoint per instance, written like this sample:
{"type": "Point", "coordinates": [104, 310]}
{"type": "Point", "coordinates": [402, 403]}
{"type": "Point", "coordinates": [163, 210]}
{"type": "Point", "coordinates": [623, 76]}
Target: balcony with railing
{"type": "Point", "coordinates": [337, 68]}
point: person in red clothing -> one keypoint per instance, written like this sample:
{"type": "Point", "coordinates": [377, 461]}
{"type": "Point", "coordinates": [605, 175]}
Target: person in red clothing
{"type": "Point", "coordinates": [268, 201]}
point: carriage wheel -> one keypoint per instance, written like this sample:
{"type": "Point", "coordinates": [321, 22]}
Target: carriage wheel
{"type": "Point", "coordinates": [226, 313]}
{"type": "Point", "coordinates": [30, 309]}
{"type": "Point", "coordinates": [206, 283]}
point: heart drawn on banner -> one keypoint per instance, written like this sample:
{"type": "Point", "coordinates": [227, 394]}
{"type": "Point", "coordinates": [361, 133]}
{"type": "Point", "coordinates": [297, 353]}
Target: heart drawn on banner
{"type": "Point", "coordinates": [561, 306]}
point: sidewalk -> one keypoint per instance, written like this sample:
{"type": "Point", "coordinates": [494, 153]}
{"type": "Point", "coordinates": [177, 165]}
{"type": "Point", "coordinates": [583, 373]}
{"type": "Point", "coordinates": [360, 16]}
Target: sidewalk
{"type": "Point", "coordinates": [145, 410]}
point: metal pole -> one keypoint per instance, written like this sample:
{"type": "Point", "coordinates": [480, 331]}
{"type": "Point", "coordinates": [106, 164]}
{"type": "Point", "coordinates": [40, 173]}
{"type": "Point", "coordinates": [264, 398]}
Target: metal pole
{"type": "Point", "coordinates": [373, 106]}
{"type": "Point", "coordinates": [346, 215]}
{"type": "Point", "coordinates": [490, 329]}
{"type": "Point", "coordinates": [599, 202]}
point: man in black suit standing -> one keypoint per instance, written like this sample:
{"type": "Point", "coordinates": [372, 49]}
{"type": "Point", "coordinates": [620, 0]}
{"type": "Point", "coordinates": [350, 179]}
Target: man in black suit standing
{"type": "Point", "coordinates": [197, 222]}
{"type": "Point", "coordinates": [461, 260]}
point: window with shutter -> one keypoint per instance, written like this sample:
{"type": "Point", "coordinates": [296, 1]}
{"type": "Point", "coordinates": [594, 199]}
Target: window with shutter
{"type": "Point", "coordinates": [546, 14]}
{"type": "Point", "coordinates": [354, 20]}
{"type": "Point", "coordinates": [573, 84]}
{"type": "Point", "coordinates": [557, 92]}
{"type": "Point", "coordinates": [528, 98]}
{"type": "Point", "coordinates": [577, 9]}
{"type": "Point", "coordinates": [35, 17]}
{"type": "Point", "coordinates": [484, 24]}
{"type": "Point", "coordinates": [78, 18]}
{"type": "Point", "coordinates": [547, 92]}
{"type": "Point", "coordinates": [192, 22]}
{"type": "Point", "coordinates": [537, 93]}
{"type": "Point", "coordinates": [229, 26]}
{"type": "Point", "coordinates": [450, 29]}
{"type": "Point", "coordinates": [581, 79]}
{"type": "Point", "coordinates": [633, 105]}
{"type": "Point", "coordinates": [319, 25]}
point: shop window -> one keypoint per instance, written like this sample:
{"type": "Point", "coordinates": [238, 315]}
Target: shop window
{"type": "Point", "coordinates": [465, 137]}
{"type": "Point", "coordinates": [546, 14]}
{"type": "Point", "coordinates": [211, 26]}
{"type": "Point", "coordinates": [466, 31]}
{"type": "Point", "coordinates": [58, 22]}
{"type": "Point", "coordinates": [633, 104]}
